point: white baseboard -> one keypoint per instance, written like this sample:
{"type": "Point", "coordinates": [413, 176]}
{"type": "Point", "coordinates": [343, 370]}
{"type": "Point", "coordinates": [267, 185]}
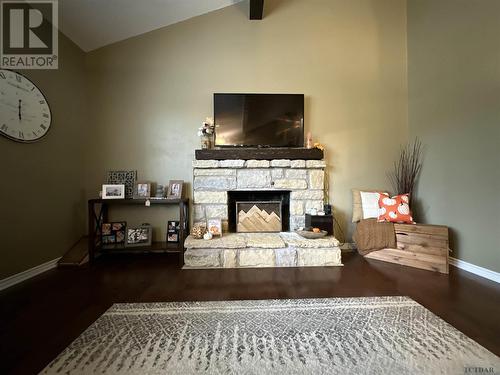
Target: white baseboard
{"type": "Point", "coordinates": [28, 274]}
{"type": "Point", "coordinates": [472, 268]}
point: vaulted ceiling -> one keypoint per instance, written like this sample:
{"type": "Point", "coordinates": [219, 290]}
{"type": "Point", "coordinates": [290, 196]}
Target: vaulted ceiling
{"type": "Point", "coordinates": [96, 23]}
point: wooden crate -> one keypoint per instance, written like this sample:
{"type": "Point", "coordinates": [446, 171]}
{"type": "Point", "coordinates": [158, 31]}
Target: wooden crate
{"type": "Point", "coordinates": [418, 245]}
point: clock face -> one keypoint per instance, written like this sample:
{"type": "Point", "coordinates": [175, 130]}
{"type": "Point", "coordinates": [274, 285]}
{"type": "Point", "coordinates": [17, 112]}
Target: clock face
{"type": "Point", "coordinates": [24, 112]}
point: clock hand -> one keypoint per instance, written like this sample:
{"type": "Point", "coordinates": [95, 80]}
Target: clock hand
{"type": "Point", "coordinates": [19, 108]}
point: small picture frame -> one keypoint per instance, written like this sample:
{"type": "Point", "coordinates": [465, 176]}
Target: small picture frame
{"type": "Point", "coordinates": [128, 178]}
{"type": "Point", "coordinates": [113, 191]}
{"type": "Point", "coordinates": [174, 190]}
{"type": "Point", "coordinates": [214, 227]}
{"type": "Point", "coordinates": [113, 233]}
{"type": "Point", "coordinates": [142, 190]}
{"type": "Point", "coordinates": [173, 229]}
{"type": "Point", "coordinates": [139, 236]}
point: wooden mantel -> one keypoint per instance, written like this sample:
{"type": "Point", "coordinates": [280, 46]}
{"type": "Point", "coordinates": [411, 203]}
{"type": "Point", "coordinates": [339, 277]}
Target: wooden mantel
{"type": "Point", "coordinates": [244, 153]}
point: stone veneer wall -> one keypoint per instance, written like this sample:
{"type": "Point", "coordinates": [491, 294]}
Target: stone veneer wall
{"type": "Point", "coordinates": [212, 179]}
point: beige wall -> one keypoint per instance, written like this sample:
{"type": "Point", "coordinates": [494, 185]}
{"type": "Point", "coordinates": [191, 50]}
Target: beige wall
{"type": "Point", "coordinates": [42, 210]}
{"type": "Point", "coordinates": [454, 107]}
{"type": "Point", "coordinates": [150, 93]}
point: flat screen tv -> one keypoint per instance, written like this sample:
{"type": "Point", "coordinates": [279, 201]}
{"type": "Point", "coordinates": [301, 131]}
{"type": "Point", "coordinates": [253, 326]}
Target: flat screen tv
{"type": "Point", "coordinates": [259, 120]}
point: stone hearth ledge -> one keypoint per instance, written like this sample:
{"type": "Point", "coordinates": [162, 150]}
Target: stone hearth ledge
{"type": "Point", "coordinates": [228, 241]}
{"type": "Point", "coordinates": [264, 240]}
{"type": "Point", "coordinates": [253, 250]}
{"type": "Point", "coordinates": [294, 240]}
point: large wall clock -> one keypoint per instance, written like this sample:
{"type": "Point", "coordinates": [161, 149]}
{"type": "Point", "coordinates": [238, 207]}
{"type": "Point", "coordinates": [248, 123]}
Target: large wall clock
{"type": "Point", "coordinates": [24, 112]}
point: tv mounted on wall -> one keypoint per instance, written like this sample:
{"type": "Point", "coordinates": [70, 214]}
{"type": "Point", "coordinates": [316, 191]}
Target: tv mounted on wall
{"type": "Point", "coordinates": [259, 120]}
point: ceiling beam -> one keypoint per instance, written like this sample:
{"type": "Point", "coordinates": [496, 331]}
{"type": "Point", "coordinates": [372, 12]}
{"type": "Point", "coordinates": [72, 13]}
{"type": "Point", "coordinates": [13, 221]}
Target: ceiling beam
{"type": "Point", "coordinates": [256, 9]}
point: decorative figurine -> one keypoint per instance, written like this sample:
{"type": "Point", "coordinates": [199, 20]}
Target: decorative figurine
{"type": "Point", "coordinates": [206, 133]}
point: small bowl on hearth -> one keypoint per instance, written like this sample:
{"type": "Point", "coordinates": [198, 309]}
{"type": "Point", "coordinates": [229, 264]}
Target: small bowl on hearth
{"type": "Point", "coordinates": [310, 234]}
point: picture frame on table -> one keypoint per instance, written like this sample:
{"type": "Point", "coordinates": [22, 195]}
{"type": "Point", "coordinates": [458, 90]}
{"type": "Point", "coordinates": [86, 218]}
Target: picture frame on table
{"type": "Point", "coordinates": [113, 191]}
{"type": "Point", "coordinates": [214, 226]}
{"type": "Point", "coordinates": [139, 236]}
{"type": "Point", "coordinates": [142, 190]}
{"type": "Point", "coordinates": [127, 178]}
{"type": "Point", "coordinates": [175, 189]}
{"type": "Point", "coordinates": [173, 229]}
{"type": "Point", "coordinates": [113, 233]}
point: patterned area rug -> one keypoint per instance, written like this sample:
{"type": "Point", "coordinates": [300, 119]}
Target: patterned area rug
{"type": "Point", "coordinates": [374, 335]}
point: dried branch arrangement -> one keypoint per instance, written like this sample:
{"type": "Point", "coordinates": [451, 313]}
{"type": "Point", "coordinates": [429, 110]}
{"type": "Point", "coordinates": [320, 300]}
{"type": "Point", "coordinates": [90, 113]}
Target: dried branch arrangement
{"type": "Point", "coordinates": [407, 168]}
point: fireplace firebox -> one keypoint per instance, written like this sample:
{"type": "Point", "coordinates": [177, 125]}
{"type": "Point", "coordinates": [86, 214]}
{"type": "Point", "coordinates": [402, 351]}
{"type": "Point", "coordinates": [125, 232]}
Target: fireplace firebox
{"type": "Point", "coordinates": [258, 211]}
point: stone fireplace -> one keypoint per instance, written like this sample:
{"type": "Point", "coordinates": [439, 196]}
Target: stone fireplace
{"type": "Point", "coordinates": [216, 182]}
{"type": "Point", "coordinates": [261, 203]}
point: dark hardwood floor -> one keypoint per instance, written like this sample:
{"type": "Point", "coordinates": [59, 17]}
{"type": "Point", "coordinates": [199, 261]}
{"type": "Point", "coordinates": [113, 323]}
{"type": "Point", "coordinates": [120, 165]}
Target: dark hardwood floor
{"type": "Point", "coordinates": [40, 317]}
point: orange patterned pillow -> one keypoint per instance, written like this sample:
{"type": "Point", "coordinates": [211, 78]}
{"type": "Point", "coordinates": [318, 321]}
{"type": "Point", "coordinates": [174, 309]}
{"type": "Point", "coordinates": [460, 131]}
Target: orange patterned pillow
{"type": "Point", "coordinates": [395, 209]}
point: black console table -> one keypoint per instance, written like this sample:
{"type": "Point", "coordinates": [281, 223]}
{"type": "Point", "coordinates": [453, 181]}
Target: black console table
{"type": "Point", "coordinates": [98, 214]}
